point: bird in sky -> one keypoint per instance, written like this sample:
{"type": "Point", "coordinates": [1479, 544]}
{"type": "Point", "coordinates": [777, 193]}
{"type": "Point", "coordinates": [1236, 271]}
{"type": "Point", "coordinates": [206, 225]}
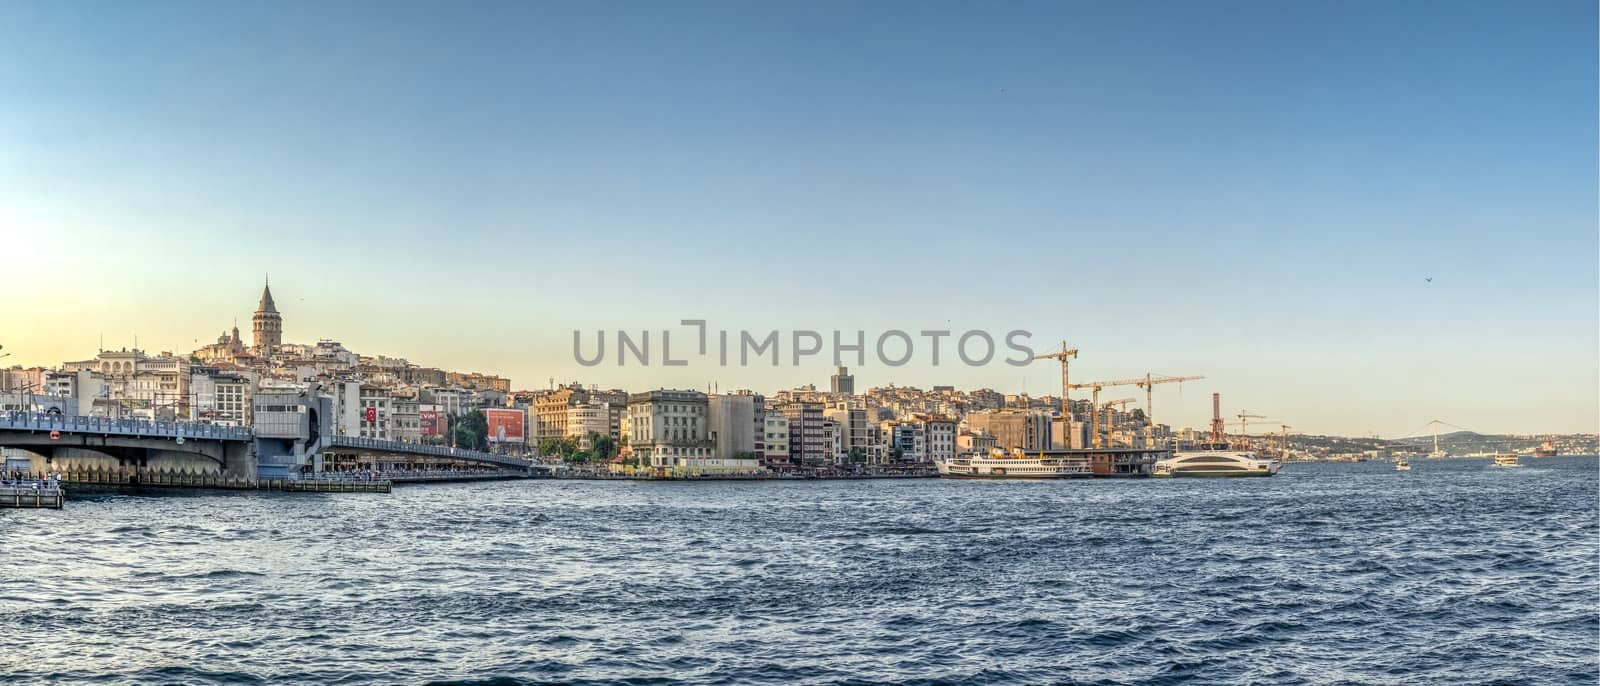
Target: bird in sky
{"type": "Point", "coordinates": [1429, 279]}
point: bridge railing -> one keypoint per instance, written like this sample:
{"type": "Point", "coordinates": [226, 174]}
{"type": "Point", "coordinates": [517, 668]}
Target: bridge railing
{"type": "Point", "coordinates": [39, 421]}
{"type": "Point", "coordinates": [382, 445]}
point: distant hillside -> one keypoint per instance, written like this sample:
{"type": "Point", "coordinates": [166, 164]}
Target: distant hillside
{"type": "Point", "coordinates": [1455, 442]}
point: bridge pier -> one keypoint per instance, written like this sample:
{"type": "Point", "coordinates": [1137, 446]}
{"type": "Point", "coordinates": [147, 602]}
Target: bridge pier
{"type": "Point", "coordinates": [239, 460]}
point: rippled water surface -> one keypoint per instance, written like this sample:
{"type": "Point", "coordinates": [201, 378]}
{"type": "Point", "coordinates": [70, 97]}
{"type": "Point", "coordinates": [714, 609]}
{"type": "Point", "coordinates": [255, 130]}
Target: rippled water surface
{"type": "Point", "coordinates": [1452, 573]}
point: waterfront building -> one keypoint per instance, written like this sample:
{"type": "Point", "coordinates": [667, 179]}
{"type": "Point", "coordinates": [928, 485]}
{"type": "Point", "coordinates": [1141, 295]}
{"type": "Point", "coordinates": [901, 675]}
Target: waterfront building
{"type": "Point", "coordinates": [940, 433]}
{"type": "Point", "coordinates": [378, 423]}
{"type": "Point", "coordinates": [855, 430]}
{"type": "Point", "coordinates": [775, 431]}
{"type": "Point", "coordinates": [553, 412]}
{"type": "Point", "coordinates": [1026, 429]}
{"type": "Point", "coordinates": [585, 420]}
{"type": "Point", "coordinates": [907, 440]}
{"type": "Point", "coordinates": [405, 422]}
{"type": "Point", "coordinates": [221, 396]}
{"type": "Point", "coordinates": [975, 442]}
{"type": "Point", "coordinates": [806, 445]}
{"type": "Point", "coordinates": [737, 425]}
{"type": "Point", "coordinates": [670, 428]}
{"type": "Point", "coordinates": [833, 442]}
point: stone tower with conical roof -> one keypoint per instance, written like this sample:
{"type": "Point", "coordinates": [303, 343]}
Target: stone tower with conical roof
{"type": "Point", "coordinates": [267, 324]}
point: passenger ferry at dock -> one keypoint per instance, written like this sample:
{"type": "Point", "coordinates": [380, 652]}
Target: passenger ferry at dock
{"type": "Point", "coordinates": [1088, 463]}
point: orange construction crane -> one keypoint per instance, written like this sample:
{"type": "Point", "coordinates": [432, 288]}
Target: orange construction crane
{"type": "Point", "coordinates": [1150, 381]}
{"type": "Point", "coordinates": [1094, 411]}
{"type": "Point", "coordinates": [1244, 418]}
{"type": "Point", "coordinates": [1122, 406]}
{"type": "Point", "coordinates": [1066, 405]}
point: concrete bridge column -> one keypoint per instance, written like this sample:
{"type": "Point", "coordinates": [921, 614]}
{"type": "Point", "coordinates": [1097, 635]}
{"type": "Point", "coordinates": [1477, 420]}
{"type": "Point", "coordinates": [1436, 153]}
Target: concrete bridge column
{"type": "Point", "coordinates": [239, 460]}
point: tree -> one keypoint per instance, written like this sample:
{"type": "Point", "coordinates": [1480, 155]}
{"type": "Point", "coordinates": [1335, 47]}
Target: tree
{"type": "Point", "coordinates": [857, 456]}
{"type": "Point", "coordinates": [604, 447]}
{"type": "Point", "coordinates": [469, 430]}
{"type": "Point", "coordinates": [549, 446]}
{"type": "Point", "coordinates": [896, 453]}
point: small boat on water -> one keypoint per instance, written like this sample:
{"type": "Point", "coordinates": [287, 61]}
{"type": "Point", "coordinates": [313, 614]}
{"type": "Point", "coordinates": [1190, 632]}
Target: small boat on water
{"type": "Point", "coordinates": [1507, 460]}
{"type": "Point", "coordinates": [1402, 465]}
{"type": "Point", "coordinates": [1215, 463]}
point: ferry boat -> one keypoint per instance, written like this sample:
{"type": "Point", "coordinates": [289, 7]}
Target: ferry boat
{"type": "Point", "coordinates": [1075, 463]}
{"type": "Point", "coordinates": [999, 464]}
{"type": "Point", "coordinates": [1215, 463]}
{"type": "Point", "coordinates": [1402, 465]}
{"type": "Point", "coordinates": [1506, 460]}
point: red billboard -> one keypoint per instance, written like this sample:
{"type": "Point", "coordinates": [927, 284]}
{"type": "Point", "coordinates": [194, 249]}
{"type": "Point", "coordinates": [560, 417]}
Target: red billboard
{"type": "Point", "coordinates": [505, 425]}
{"type": "Point", "coordinates": [433, 422]}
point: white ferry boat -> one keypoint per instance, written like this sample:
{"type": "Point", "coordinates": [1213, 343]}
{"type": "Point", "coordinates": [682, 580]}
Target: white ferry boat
{"type": "Point", "coordinates": [1215, 463]}
{"type": "Point", "coordinates": [1507, 460]}
{"type": "Point", "coordinates": [999, 464]}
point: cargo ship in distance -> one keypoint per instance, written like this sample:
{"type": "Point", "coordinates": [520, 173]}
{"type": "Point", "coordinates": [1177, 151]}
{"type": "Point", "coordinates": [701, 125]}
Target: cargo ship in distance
{"type": "Point", "coordinates": [1088, 463]}
{"type": "Point", "coordinates": [1546, 449]}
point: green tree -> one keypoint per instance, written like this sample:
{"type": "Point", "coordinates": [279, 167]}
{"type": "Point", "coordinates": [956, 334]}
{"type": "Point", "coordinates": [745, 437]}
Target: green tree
{"type": "Point", "coordinates": [604, 447]}
{"type": "Point", "coordinates": [549, 446]}
{"type": "Point", "coordinates": [469, 430]}
{"type": "Point", "coordinates": [857, 456]}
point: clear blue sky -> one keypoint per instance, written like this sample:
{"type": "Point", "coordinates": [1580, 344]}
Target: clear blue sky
{"type": "Point", "coordinates": [1253, 191]}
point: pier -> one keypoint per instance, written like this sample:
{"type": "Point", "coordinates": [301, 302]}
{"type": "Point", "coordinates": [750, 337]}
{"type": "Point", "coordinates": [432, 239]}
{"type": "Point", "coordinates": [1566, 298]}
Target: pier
{"type": "Point", "coordinates": [32, 494]}
{"type": "Point", "coordinates": [99, 481]}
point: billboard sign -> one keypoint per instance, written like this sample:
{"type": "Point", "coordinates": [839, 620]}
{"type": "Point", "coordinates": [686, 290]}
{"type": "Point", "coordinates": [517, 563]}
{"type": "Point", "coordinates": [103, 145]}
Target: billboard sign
{"type": "Point", "coordinates": [433, 422]}
{"type": "Point", "coordinates": [505, 425]}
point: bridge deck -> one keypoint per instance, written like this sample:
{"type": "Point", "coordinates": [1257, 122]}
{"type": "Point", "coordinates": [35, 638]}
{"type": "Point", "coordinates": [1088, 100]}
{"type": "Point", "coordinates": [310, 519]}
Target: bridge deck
{"type": "Point", "coordinates": [446, 452]}
{"type": "Point", "coordinates": [108, 426]}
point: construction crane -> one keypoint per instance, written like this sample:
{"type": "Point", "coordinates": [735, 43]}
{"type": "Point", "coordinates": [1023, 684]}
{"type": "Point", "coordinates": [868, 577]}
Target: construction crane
{"type": "Point", "coordinates": [1122, 407]}
{"type": "Point", "coordinates": [1244, 421]}
{"type": "Point", "coordinates": [1122, 404]}
{"type": "Point", "coordinates": [1150, 381]}
{"type": "Point", "coordinates": [1094, 406]}
{"type": "Point", "coordinates": [1244, 438]}
{"type": "Point", "coordinates": [1066, 405]}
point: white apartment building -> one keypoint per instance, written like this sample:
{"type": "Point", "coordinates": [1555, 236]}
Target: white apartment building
{"type": "Point", "coordinates": [775, 432]}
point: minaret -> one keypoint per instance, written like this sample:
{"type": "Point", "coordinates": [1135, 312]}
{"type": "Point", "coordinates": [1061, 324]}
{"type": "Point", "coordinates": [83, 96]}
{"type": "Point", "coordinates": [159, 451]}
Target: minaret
{"type": "Point", "coordinates": [267, 324]}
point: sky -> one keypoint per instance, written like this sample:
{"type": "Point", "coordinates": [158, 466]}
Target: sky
{"type": "Point", "coordinates": [1256, 192]}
